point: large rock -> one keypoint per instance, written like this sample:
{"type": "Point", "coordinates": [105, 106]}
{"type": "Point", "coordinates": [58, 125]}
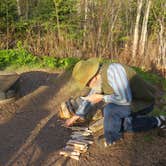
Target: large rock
{"type": "Point", "coordinates": [7, 79]}
{"type": "Point", "coordinates": [8, 86]}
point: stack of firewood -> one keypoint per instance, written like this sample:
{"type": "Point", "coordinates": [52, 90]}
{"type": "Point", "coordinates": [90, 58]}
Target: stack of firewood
{"type": "Point", "coordinates": [81, 138]}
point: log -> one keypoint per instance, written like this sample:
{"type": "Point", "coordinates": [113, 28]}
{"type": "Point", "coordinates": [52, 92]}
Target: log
{"type": "Point", "coordinates": [78, 128]}
{"type": "Point", "coordinates": [68, 152]}
{"type": "Point", "coordinates": [90, 138]}
{"type": "Point", "coordinates": [85, 133]}
{"type": "Point", "coordinates": [77, 145]}
{"type": "Point", "coordinates": [86, 141]}
{"type": "Point", "coordinates": [81, 129]}
{"type": "Point", "coordinates": [72, 156]}
{"type": "Point", "coordinates": [78, 142]}
{"type": "Point", "coordinates": [76, 149]}
{"type": "Point", "coordinates": [98, 125]}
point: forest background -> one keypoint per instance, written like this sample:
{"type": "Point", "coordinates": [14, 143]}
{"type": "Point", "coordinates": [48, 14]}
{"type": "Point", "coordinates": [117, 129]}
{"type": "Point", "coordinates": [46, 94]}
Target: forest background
{"type": "Point", "coordinates": [130, 31]}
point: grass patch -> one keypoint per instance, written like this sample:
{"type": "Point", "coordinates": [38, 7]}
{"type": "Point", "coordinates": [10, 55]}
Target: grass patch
{"type": "Point", "coordinates": [151, 77]}
{"type": "Point", "coordinates": [148, 138]}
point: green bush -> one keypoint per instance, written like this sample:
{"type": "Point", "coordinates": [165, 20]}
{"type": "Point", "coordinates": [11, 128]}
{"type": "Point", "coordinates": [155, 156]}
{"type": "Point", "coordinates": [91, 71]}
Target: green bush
{"type": "Point", "coordinates": [16, 58]}
{"type": "Point", "coordinates": [20, 57]}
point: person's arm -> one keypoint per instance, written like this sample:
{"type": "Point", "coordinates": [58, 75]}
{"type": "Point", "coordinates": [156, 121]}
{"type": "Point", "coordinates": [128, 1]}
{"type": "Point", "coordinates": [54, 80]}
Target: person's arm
{"type": "Point", "coordinates": [94, 98]}
{"type": "Point", "coordinates": [71, 121]}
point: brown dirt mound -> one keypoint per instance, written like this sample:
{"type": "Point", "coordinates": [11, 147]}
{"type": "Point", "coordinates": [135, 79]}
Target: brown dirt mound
{"type": "Point", "coordinates": [32, 135]}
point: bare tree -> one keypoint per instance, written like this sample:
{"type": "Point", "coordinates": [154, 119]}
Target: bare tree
{"type": "Point", "coordinates": [160, 18]}
{"type": "Point", "coordinates": [27, 10]}
{"type": "Point", "coordinates": [56, 3]}
{"type": "Point", "coordinates": [136, 29]}
{"type": "Point", "coordinates": [85, 22]}
{"type": "Point", "coordinates": [19, 9]}
{"type": "Point", "coordinates": [142, 42]}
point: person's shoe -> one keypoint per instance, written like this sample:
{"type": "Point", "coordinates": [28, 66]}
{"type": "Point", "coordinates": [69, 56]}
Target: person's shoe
{"type": "Point", "coordinates": [162, 120]}
{"type": "Point", "coordinates": [101, 142]}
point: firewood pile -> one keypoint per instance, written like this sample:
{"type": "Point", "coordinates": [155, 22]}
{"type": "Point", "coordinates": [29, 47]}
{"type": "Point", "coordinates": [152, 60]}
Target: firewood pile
{"type": "Point", "coordinates": [81, 139]}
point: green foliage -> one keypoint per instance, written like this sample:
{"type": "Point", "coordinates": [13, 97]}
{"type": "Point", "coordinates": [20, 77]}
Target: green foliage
{"type": "Point", "coordinates": [157, 111]}
{"type": "Point", "coordinates": [67, 63]}
{"type": "Point", "coordinates": [151, 77]}
{"type": "Point", "coordinates": [148, 138]}
{"type": "Point", "coordinates": [42, 10]}
{"type": "Point", "coordinates": [49, 62]}
{"type": "Point", "coordinates": [20, 57]}
{"type": "Point", "coordinates": [8, 13]}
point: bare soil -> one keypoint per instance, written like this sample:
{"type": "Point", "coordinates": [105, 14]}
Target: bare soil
{"type": "Point", "coordinates": [31, 133]}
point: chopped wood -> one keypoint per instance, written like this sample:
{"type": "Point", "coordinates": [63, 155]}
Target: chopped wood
{"type": "Point", "coordinates": [77, 145]}
{"type": "Point", "coordinates": [78, 128]}
{"type": "Point", "coordinates": [82, 133]}
{"type": "Point", "coordinates": [82, 137]}
{"type": "Point", "coordinates": [85, 141]}
{"type": "Point", "coordinates": [72, 156]}
{"type": "Point", "coordinates": [67, 152]}
{"type": "Point", "coordinates": [78, 142]}
{"type": "Point", "coordinates": [98, 125]}
{"type": "Point", "coordinates": [76, 149]}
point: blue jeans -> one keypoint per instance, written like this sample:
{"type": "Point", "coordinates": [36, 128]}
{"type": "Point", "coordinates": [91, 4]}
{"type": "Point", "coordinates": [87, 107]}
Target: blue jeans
{"type": "Point", "coordinates": [117, 118]}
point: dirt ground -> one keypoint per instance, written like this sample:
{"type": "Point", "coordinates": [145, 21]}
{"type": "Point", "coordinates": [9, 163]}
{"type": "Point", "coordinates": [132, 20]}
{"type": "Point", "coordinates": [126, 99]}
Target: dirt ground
{"type": "Point", "coordinates": [32, 135]}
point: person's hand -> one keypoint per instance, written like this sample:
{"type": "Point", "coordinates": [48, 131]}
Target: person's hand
{"type": "Point", "coordinates": [94, 98]}
{"type": "Point", "coordinates": [71, 121]}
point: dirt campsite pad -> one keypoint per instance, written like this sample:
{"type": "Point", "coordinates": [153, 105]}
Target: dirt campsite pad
{"type": "Point", "coordinates": [32, 135]}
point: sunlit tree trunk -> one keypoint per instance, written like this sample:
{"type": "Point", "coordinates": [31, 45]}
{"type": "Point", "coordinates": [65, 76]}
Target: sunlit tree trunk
{"type": "Point", "coordinates": [85, 22]}
{"type": "Point", "coordinates": [27, 10]}
{"type": "Point", "coordinates": [162, 45]}
{"type": "Point", "coordinates": [57, 18]}
{"type": "Point", "coordinates": [113, 16]}
{"type": "Point", "coordinates": [136, 29]}
{"type": "Point", "coordinates": [7, 26]}
{"type": "Point", "coordinates": [19, 10]}
{"type": "Point", "coordinates": [142, 42]}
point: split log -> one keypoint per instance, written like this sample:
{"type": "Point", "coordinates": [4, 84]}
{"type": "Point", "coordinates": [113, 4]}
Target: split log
{"type": "Point", "coordinates": [98, 125]}
{"type": "Point", "coordinates": [84, 133]}
{"type": "Point", "coordinates": [78, 142]}
{"type": "Point", "coordinates": [72, 156]}
{"type": "Point", "coordinates": [78, 128]}
{"type": "Point", "coordinates": [90, 138]}
{"type": "Point", "coordinates": [77, 145]}
{"type": "Point", "coordinates": [76, 149]}
{"type": "Point", "coordinates": [85, 141]}
{"type": "Point", "coordinates": [69, 153]}
{"type": "Point", "coordinates": [81, 129]}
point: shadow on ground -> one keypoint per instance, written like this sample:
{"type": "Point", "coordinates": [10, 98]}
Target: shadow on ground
{"type": "Point", "coordinates": [32, 134]}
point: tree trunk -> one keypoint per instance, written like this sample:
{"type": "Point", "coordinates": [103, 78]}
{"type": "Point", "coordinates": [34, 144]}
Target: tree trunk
{"type": "Point", "coordinates": [27, 10]}
{"type": "Point", "coordinates": [85, 23]}
{"type": "Point", "coordinates": [111, 25]}
{"type": "Point", "coordinates": [57, 18]}
{"type": "Point", "coordinates": [143, 37]}
{"type": "Point", "coordinates": [136, 29]}
{"type": "Point", "coordinates": [19, 10]}
{"type": "Point", "coordinates": [162, 46]}
{"type": "Point", "coordinates": [7, 26]}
